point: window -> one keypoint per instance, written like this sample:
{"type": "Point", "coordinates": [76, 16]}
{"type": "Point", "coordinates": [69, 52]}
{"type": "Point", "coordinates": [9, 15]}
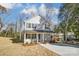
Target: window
{"type": "Point", "coordinates": [33, 36]}
{"type": "Point", "coordinates": [28, 36]}
{"type": "Point", "coordinates": [47, 26]}
{"type": "Point", "coordinates": [34, 26]}
{"type": "Point", "coordinates": [28, 25]}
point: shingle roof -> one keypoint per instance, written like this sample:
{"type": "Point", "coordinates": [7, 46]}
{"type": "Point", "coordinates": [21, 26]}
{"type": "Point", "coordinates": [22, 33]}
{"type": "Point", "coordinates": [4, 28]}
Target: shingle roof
{"type": "Point", "coordinates": [38, 31]}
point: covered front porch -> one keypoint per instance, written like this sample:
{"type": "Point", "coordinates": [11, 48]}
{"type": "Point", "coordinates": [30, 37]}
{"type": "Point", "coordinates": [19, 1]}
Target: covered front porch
{"type": "Point", "coordinates": [37, 36]}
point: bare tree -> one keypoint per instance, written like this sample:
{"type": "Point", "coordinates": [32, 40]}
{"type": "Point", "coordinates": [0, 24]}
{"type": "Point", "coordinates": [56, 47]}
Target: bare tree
{"type": "Point", "coordinates": [66, 13]}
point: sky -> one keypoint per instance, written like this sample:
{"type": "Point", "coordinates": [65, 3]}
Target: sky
{"type": "Point", "coordinates": [15, 10]}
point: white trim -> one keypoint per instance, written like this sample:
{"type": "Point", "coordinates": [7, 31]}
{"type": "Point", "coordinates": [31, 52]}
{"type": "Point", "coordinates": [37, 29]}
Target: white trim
{"type": "Point", "coordinates": [43, 37]}
{"type": "Point", "coordinates": [24, 38]}
{"type": "Point", "coordinates": [37, 37]}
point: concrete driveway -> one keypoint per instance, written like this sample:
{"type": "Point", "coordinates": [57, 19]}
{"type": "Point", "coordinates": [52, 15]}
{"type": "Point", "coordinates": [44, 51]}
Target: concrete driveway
{"type": "Point", "coordinates": [63, 50]}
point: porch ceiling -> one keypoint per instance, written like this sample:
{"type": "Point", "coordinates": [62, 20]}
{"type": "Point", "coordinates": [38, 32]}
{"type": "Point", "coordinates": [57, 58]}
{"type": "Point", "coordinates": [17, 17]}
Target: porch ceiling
{"type": "Point", "coordinates": [38, 31]}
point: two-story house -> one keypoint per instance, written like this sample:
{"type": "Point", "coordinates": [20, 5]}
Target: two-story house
{"type": "Point", "coordinates": [37, 30]}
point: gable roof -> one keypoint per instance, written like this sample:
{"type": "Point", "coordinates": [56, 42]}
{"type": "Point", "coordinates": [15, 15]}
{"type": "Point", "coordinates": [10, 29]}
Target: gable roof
{"type": "Point", "coordinates": [35, 20]}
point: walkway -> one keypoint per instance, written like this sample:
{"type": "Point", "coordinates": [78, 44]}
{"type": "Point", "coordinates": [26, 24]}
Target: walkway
{"type": "Point", "coordinates": [64, 50]}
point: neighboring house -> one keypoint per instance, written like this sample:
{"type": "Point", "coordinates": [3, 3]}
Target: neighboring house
{"type": "Point", "coordinates": [37, 29]}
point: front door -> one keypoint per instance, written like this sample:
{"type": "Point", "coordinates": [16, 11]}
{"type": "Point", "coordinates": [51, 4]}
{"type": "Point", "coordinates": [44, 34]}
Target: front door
{"type": "Point", "coordinates": [39, 37]}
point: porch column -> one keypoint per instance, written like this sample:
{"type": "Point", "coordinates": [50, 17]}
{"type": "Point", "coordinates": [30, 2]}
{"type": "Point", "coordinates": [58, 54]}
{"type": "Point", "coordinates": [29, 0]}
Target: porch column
{"type": "Point", "coordinates": [24, 38]}
{"type": "Point", "coordinates": [43, 37]}
{"type": "Point", "coordinates": [31, 37]}
{"type": "Point", "coordinates": [37, 37]}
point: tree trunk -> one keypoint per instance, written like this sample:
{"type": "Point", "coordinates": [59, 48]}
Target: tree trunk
{"type": "Point", "coordinates": [20, 35]}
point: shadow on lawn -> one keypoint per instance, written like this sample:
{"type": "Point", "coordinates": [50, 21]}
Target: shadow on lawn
{"type": "Point", "coordinates": [15, 40]}
{"type": "Point", "coordinates": [68, 45]}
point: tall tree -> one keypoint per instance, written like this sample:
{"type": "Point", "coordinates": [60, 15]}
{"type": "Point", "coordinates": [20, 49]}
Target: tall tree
{"type": "Point", "coordinates": [1, 23]}
{"type": "Point", "coordinates": [2, 9]}
{"type": "Point", "coordinates": [66, 13]}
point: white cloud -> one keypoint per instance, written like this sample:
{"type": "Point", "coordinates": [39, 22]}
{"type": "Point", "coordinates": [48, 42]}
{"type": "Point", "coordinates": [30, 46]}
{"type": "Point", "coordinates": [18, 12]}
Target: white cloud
{"type": "Point", "coordinates": [55, 15]}
{"type": "Point", "coordinates": [18, 5]}
{"type": "Point", "coordinates": [10, 5]}
{"type": "Point", "coordinates": [30, 10]}
{"type": "Point", "coordinates": [56, 10]}
{"type": "Point", "coordinates": [42, 10]}
{"type": "Point", "coordinates": [24, 11]}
